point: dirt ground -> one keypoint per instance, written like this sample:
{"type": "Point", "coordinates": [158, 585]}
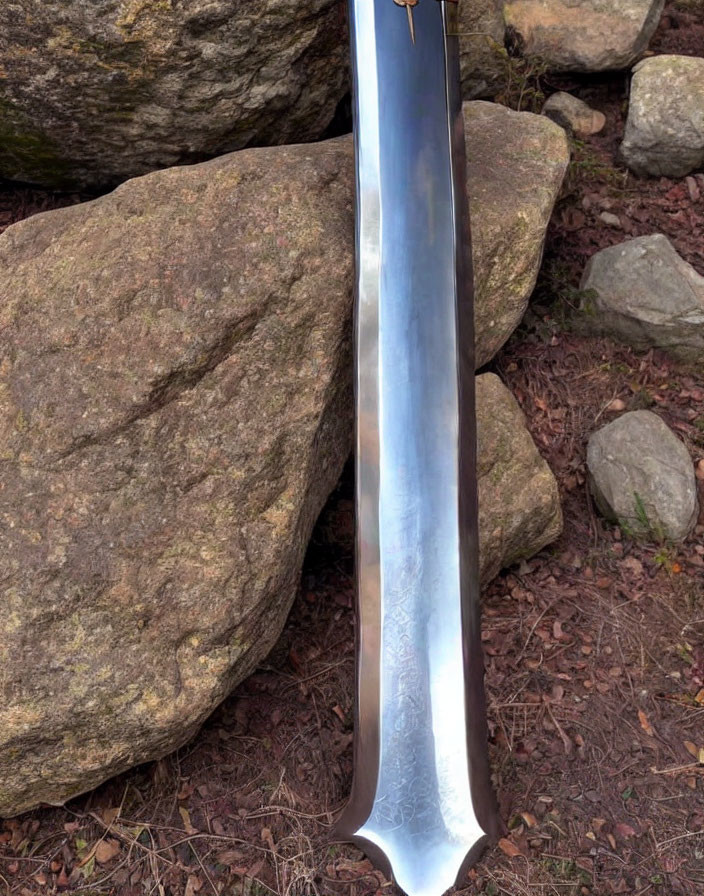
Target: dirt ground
{"type": "Point", "coordinates": [594, 648]}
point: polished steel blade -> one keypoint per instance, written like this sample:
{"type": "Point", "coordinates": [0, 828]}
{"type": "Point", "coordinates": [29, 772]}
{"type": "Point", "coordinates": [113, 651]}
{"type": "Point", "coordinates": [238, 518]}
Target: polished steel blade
{"type": "Point", "coordinates": [421, 803]}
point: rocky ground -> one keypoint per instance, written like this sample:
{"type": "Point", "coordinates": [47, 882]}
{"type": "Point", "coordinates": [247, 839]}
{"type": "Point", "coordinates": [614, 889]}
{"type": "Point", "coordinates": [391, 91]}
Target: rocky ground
{"type": "Point", "coordinates": [594, 648]}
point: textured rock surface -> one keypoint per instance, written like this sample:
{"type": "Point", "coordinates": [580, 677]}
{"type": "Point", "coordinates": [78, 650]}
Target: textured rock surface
{"type": "Point", "coordinates": [96, 92]}
{"type": "Point", "coordinates": [516, 162]}
{"type": "Point", "coordinates": [175, 397]}
{"type": "Point", "coordinates": [573, 114]}
{"type": "Point", "coordinates": [642, 475]}
{"type": "Point", "coordinates": [481, 42]}
{"type": "Point", "coordinates": [519, 502]}
{"type": "Point", "coordinates": [175, 401]}
{"type": "Point", "coordinates": [583, 35]}
{"type": "Point", "coordinates": [643, 293]}
{"type": "Point", "coordinates": [665, 126]}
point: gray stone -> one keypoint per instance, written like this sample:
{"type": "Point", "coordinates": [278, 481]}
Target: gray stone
{"type": "Point", "coordinates": [642, 476]}
{"type": "Point", "coordinates": [516, 163]}
{"type": "Point", "coordinates": [519, 501]}
{"type": "Point", "coordinates": [643, 293]}
{"type": "Point", "coordinates": [175, 399]}
{"type": "Point", "coordinates": [665, 126]}
{"type": "Point", "coordinates": [92, 93]}
{"type": "Point", "coordinates": [573, 114]}
{"type": "Point", "coordinates": [583, 35]}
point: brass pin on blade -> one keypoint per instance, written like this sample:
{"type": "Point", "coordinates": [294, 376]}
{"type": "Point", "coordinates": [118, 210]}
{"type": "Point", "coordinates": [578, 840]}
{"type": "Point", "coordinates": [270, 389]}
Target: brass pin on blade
{"type": "Point", "coordinates": [411, 25]}
{"type": "Point", "coordinates": [409, 4]}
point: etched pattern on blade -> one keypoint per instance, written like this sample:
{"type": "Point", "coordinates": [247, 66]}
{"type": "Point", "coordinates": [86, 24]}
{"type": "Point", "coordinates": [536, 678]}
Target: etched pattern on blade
{"type": "Point", "coordinates": [411, 807]}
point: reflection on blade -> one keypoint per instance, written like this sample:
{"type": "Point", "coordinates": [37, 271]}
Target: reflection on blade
{"type": "Point", "coordinates": [421, 804]}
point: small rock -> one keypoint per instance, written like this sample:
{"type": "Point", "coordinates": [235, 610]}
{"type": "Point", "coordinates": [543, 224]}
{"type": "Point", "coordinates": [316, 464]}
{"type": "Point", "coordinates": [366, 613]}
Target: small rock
{"type": "Point", "coordinates": [610, 218]}
{"type": "Point", "coordinates": [642, 292]}
{"type": "Point", "coordinates": [583, 35]}
{"type": "Point", "coordinates": [693, 189]}
{"type": "Point", "coordinates": [574, 115]}
{"type": "Point", "coordinates": [642, 476]}
{"type": "Point", "coordinates": [665, 127]}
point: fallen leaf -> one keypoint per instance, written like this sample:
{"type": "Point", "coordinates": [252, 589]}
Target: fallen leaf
{"type": "Point", "coordinates": [625, 831]}
{"type": "Point", "coordinates": [229, 856]}
{"type": "Point", "coordinates": [268, 838]}
{"type": "Point", "coordinates": [106, 850]}
{"type": "Point", "coordinates": [109, 815]}
{"type": "Point", "coordinates": [700, 698]}
{"type": "Point", "coordinates": [88, 868]}
{"type": "Point", "coordinates": [529, 819]}
{"type": "Point", "coordinates": [691, 748]}
{"type": "Point", "coordinates": [186, 818]}
{"type": "Point", "coordinates": [193, 884]}
{"type": "Point", "coordinates": [509, 848]}
{"type": "Point", "coordinates": [645, 724]}
{"type": "Point", "coordinates": [634, 565]}
{"type": "Point", "coordinates": [185, 790]}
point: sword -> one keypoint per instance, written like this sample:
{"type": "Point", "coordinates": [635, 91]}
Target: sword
{"type": "Point", "coordinates": [421, 806]}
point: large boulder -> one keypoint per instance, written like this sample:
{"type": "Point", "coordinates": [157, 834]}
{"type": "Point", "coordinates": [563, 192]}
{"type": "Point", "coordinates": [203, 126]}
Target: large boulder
{"type": "Point", "coordinates": [175, 405]}
{"type": "Point", "coordinates": [519, 501]}
{"type": "Point", "coordinates": [582, 35]}
{"type": "Point", "coordinates": [516, 162]}
{"type": "Point", "coordinates": [665, 125]}
{"type": "Point", "coordinates": [175, 399]}
{"type": "Point", "coordinates": [642, 476]}
{"type": "Point", "coordinates": [92, 93]}
{"type": "Point", "coordinates": [482, 56]}
{"type": "Point", "coordinates": [643, 293]}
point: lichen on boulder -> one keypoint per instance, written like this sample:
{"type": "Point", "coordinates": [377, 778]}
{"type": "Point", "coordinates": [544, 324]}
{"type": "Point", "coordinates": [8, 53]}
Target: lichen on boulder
{"type": "Point", "coordinates": [107, 91]}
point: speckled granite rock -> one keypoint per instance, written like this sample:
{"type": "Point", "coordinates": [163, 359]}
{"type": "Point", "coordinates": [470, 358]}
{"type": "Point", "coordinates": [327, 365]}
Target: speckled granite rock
{"type": "Point", "coordinates": [665, 126]}
{"type": "Point", "coordinates": [481, 42]}
{"type": "Point", "coordinates": [175, 409]}
{"type": "Point", "coordinates": [516, 162]}
{"type": "Point", "coordinates": [583, 35]}
{"type": "Point", "coordinates": [95, 92]}
{"type": "Point", "coordinates": [519, 502]}
{"type": "Point", "coordinates": [642, 476]}
{"type": "Point", "coordinates": [175, 400]}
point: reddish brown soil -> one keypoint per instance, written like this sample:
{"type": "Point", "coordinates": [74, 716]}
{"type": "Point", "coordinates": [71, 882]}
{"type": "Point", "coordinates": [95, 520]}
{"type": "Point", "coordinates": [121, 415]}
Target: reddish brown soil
{"type": "Point", "coordinates": [594, 648]}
